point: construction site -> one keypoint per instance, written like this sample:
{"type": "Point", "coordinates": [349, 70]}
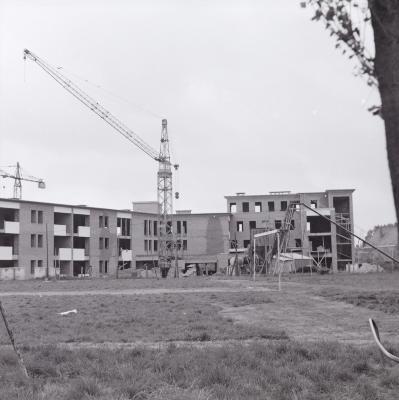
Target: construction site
{"type": "Point", "coordinates": [195, 201]}
{"type": "Point", "coordinates": [40, 240]}
{"type": "Point", "coordinates": [281, 232]}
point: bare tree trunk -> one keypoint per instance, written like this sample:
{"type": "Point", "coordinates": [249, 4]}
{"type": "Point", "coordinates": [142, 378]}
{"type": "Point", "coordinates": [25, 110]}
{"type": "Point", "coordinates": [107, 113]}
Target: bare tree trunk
{"type": "Point", "coordinates": [385, 20]}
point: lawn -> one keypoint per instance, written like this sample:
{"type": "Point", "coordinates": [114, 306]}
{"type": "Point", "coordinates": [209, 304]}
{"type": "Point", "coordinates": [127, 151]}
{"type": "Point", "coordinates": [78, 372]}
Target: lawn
{"type": "Point", "coordinates": [106, 284]}
{"type": "Point", "coordinates": [309, 341]}
{"type": "Point", "coordinates": [276, 371]}
{"type": "Point", "coordinates": [129, 318]}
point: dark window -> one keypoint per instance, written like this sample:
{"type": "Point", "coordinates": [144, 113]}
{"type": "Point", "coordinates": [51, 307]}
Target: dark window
{"type": "Point", "coordinates": [240, 226]}
{"type": "Point", "coordinates": [155, 245]}
{"type": "Point", "coordinates": [258, 206]}
{"type": "Point", "coordinates": [39, 263]}
{"type": "Point", "coordinates": [155, 228]}
{"type": "Point", "coordinates": [184, 244]}
{"type": "Point", "coordinates": [270, 205]}
{"type": "Point", "coordinates": [106, 243]}
{"type": "Point", "coordinates": [149, 227]}
{"type": "Point", "coordinates": [101, 267]}
{"type": "Point", "coordinates": [39, 240]}
{"type": "Point", "coordinates": [145, 245]}
{"type": "Point", "coordinates": [185, 227]}
{"type": "Point", "coordinates": [124, 226]}
{"type": "Point", "coordinates": [246, 243]}
{"type": "Point", "coordinates": [298, 242]}
{"type": "Point", "coordinates": [145, 227]}
{"type": "Point", "coordinates": [313, 203]}
{"type": "Point", "coordinates": [33, 216]}
{"type": "Point", "coordinates": [178, 227]}
{"type": "Point", "coordinates": [169, 227]}
{"type": "Point", "coordinates": [233, 208]}
{"type": "Point", "coordinates": [106, 222]}
{"type": "Point", "coordinates": [283, 206]}
{"type": "Point", "coordinates": [150, 245]}
{"type": "Point", "coordinates": [292, 226]}
{"type": "Point", "coordinates": [245, 206]}
{"type": "Point", "coordinates": [40, 217]}
{"type": "Point", "coordinates": [32, 240]}
{"type": "Point", "coordinates": [105, 267]}
{"type": "Point", "coordinates": [277, 224]}
{"type": "Point", "coordinates": [252, 225]}
{"type": "Point", "coordinates": [101, 243]}
{"type": "Point", "coordinates": [100, 221]}
{"type": "Point", "coordinates": [32, 266]}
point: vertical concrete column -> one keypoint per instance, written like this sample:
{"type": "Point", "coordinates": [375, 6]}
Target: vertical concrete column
{"type": "Point", "coordinates": [334, 264]}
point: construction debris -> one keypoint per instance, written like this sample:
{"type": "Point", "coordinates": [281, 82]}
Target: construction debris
{"type": "Point", "coordinates": [74, 311]}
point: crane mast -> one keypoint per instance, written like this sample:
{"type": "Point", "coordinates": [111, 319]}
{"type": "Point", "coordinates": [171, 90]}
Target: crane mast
{"type": "Point", "coordinates": [167, 241]}
{"type": "Point", "coordinates": [165, 201]}
{"type": "Point", "coordinates": [18, 178]}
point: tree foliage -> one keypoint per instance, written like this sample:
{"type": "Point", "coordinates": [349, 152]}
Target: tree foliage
{"type": "Point", "coordinates": [348, 22]}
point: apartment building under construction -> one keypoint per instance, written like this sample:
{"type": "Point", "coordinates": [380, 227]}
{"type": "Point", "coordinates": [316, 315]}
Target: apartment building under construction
{"type": "Point", "coordinates": [311, 232]}
{"type": "Point", "coordinates": [38, 238]}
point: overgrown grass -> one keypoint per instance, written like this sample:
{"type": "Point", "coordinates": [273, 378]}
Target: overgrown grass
{"type": "Point", "coordinates": [109, 283]}
{"type": "Point", "coordinates": [277, 371]}
{"type": "Point", "coordinates": [386, 301]}
{"type": "Point", "coordinates": [371, 281]}
{"type": "Point", "coordinates": [128, 318]}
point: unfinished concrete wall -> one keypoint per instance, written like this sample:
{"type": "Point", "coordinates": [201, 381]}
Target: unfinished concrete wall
{"type": "Point", "coordinates": [266, 212]}
{"type": "Point", "coordinates": [34, 217]}
{"type": "Point", "coordinates": [103, 252]}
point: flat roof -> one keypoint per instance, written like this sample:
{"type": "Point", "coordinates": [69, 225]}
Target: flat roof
{"type": "Point", "coordinates": [104, 208]}
{"type": "Point", "coordinates": [274, 194]}
{"type": "Point", "coordinates": [63, 204]}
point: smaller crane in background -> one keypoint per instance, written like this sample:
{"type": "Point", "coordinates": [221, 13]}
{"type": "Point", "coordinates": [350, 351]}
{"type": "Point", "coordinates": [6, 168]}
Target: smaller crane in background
{"type": "Point", "coordinates": [18, 178]}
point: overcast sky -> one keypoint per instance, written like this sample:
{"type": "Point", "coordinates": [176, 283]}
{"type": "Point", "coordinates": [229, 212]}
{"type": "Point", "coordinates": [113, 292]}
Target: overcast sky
{"type": "Point", "coordinates": [256, 96]}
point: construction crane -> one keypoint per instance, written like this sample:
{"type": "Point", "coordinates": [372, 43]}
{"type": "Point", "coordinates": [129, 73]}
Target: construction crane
{"type": "Point", "coordinates": [18, 178]}
{"type": "Point", "coordinates": [167, 242]}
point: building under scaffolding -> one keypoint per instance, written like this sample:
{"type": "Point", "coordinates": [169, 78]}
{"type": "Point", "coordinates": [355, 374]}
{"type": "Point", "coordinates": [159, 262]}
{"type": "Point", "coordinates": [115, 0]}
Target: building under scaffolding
{"type": "Point", "coordinates": [307, 237]}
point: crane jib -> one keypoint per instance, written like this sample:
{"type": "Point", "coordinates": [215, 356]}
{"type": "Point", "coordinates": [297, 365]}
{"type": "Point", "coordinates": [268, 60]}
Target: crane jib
{"type": "Point", "coordinates": [94, 105]}
{"type": "Point", "coordinates": [168, 248]}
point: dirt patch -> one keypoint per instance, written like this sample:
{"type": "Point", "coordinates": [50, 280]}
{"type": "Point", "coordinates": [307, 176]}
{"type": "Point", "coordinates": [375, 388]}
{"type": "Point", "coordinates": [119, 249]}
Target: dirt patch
{"type": "Point", "coordinates": [312, 318]}
{"type": "Point", "coordinates": [138, 292]}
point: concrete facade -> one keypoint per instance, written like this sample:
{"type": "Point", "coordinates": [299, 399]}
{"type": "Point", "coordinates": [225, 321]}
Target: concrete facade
{"type": "Point", "coordinates": [37, 239]}
{"type": "Point", "coordinates": [310, 234]}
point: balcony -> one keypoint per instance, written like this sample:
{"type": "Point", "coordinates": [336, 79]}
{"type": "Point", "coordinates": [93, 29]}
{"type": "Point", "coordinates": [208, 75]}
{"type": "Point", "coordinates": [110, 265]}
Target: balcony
{"type": "Point", "coordinates": [60, 230]}
{"type": "Point", "coordinates": [83, 231]}
{"type": "Point", "coordinates": [6, 253]}
{"type": "Point", "coordinates": [126, 255]}
{"type": "Point", "coordinates": [68, 254]}
{"type": "Point", "coordinates": [11, 227]}
{"type": "Point", "coordinates": [322, 211]}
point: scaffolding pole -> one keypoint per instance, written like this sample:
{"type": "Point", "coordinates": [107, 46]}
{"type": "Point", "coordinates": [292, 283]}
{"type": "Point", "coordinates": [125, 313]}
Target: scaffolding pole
{"type": "Point", "coordinates": [351, 233]}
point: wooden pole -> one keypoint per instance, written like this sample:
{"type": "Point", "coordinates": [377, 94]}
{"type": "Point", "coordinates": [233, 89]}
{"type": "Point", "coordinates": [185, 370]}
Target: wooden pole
{"type": "Point", "coordinates": [353, 234]}
{"type": "Point", "coordinates": [254, 262]}
{"type": "Point", "coordinates": [278, 261]}
{"type": "Point", "coordinates": [117, 256]}
{"type": "Point", "coordinates": [47, 265]}
{"type": "Point", "coordinates": [10, 334]}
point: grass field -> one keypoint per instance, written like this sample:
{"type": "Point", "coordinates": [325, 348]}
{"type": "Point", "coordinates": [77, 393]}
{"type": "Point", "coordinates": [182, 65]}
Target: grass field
{"type": "Point", "coordinates": [137, 339]}
{"type": "Point", "coordinates": [129, 318]}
